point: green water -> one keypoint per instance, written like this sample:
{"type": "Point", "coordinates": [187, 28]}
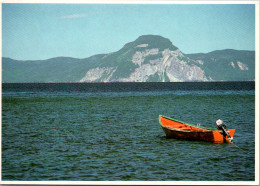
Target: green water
{"type": "Point", "coordinates": [116, 136]}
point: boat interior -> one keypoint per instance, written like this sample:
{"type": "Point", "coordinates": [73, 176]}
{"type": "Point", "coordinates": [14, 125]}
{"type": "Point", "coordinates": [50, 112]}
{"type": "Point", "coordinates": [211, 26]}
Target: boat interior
{"type": "Point", "coordinates": [178, 125]}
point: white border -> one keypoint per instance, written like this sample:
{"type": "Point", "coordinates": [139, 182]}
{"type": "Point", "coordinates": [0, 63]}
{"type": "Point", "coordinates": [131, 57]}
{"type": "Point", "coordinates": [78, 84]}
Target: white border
{"type": "Point", "coordinates": [133, 182]}
{"type": "Point", "coordinates": [1, 94]}
{"type": "Point", "coordinates": [256, 182]}
{"type": "Point", "coordinates": [257, 61]}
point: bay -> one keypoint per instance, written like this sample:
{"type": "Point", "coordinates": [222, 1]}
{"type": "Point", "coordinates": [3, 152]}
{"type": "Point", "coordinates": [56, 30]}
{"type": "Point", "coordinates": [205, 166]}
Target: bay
{"type": "Point", "coordinates": [110, 131]}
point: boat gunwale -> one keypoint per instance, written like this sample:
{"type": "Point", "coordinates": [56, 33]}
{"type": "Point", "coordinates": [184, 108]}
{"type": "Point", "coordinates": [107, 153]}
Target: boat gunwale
{"type": "Point", "coordinates": [207, 129]}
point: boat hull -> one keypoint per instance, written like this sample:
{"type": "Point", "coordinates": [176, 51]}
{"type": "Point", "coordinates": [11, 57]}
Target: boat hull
{"type": "Point", "coordinates": [192, 133]}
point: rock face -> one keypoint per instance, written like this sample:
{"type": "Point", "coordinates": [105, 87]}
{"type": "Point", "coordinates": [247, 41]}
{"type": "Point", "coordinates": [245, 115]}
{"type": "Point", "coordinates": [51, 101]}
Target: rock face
{"type": "Point", "coordinates": [150, 58]}
{"type": "Point", "coordinates": [102, 74]}
{"type": "Point", "coordinates": [150, 62]}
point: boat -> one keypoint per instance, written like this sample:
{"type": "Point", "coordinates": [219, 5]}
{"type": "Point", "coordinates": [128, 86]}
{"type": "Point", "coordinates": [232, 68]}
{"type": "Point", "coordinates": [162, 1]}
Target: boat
{"type": "Point", "coordinates": [181, 130]}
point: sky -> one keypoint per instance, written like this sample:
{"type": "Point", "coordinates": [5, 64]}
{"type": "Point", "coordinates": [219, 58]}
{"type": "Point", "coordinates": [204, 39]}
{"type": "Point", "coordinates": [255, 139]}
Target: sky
{"type": "Point", "coordinates": [43, 31]}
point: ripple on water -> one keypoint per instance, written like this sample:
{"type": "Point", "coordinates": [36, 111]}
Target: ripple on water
{"type": "Point", "coordinates": [100, 137]}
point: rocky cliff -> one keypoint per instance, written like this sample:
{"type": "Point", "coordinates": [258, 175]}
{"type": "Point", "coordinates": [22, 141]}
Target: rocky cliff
{"type": "Point", "coordinates": [148, 58]}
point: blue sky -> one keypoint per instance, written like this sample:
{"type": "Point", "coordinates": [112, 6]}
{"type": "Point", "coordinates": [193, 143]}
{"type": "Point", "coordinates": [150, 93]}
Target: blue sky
{"type": "Point", "coordinates": [42, 31]}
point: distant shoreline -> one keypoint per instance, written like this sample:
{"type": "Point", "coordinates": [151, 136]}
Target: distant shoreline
{"type": "Point", "coordinates": [128, 86]}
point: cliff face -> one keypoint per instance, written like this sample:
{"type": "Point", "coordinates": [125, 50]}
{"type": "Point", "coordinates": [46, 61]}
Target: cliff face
{"type": "Point", "coordinates": [148, 58]}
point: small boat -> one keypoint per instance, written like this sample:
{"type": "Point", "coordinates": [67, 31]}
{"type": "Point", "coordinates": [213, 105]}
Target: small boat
{"type": "Point", "coordinates": [180, 130]}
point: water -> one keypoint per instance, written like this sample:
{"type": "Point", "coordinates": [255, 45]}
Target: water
{"type": "Point", "coordinates": [110, 132]}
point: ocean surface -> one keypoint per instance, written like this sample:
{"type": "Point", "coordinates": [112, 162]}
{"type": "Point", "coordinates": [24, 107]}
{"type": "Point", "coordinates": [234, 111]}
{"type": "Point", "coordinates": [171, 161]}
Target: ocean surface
{"type": "Point", "coordinates": [110, 131]}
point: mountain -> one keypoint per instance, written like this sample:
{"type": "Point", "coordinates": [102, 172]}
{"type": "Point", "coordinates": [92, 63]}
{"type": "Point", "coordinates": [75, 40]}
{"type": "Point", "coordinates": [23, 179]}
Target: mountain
{"type": "Point", "coordinates": [148, 58]}
{"type": "Point", "coordinates": [227, 65]}
{"type": "Point", "coordinates": [59, 69]}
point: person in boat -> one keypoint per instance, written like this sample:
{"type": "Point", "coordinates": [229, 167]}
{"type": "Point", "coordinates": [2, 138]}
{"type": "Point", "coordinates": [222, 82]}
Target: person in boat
{"type": "Point", "coordinates": [220, 124]}
{"type": "Point", "coordinates": [223, 127]}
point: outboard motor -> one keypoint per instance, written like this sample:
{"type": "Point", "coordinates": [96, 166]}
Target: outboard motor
{"type": "Point", "coordinates": [221, 126]}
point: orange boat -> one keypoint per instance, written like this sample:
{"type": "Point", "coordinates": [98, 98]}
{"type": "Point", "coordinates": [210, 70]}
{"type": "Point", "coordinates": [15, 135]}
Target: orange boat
{"type": "Point", "coordinates": [180, 130]}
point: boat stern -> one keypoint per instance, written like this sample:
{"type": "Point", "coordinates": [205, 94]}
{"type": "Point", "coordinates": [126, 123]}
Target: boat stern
{"type": "Point", "coordinates": [219, 138]}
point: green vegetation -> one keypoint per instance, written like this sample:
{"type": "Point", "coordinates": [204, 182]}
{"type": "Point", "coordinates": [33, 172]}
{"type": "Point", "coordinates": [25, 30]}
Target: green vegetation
{"type": "Point", "coordinates": [152, 57]}
{"type": "Point", "coordinates": [153, 78]}
{"type": "Point", "coordinates": [216, 64]}
{"type": "Point", "coordinates": [155, 41]}
{"type": "Point", "coordinates": [61, 69]}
